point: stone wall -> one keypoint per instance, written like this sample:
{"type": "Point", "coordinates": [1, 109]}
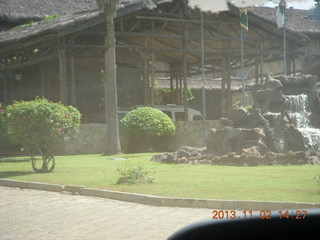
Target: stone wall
{"type": "Point", "coordinates": [91, 137]}
{"type": "Point", "coordinates": [191, 133]}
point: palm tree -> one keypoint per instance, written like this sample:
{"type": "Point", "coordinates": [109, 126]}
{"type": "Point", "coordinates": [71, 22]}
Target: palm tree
{"type": "Point", "coordinates": [108, 7]}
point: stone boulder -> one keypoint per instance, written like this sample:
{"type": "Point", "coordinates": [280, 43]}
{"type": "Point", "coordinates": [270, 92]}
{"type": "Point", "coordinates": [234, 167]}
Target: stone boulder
{"type": "Point", "coordinates": [228, 139]}
{"type": "Point", "coordinates": [294, 139]}
{"type": "Point", "coordinates": [314, 99]}
{"type": "Point", "coordinates": [238, 115]}
{"type": "Point", "coordinates": [270, 97]}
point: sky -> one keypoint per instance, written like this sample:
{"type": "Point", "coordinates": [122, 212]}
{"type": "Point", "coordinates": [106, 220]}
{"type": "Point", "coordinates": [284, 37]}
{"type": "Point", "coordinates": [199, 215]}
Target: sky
{"type": "Point", "coordinates": [220, 5]}
{"type": "Point", "coordinates": [307, 4]}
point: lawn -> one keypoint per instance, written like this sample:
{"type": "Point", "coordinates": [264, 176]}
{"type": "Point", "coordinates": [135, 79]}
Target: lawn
{"type": "Point", "coordinates": [266, 183]}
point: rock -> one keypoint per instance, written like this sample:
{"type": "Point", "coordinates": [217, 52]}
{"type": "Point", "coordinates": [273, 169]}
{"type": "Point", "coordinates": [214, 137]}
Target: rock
{"type": "Point", "coordinates": [270, 97]}
{"type": "Point", "coordinates": [252, 151]}
{"type": "Point", "coordinates": [273, 83]}
{"type": "Point", "coordinates": [224, 122]}
{"type": "Point", "coordinates": [182, 160]}
{"type": "Point", "coordinates": [294, 139]}
{"type": "Point", "coordinates": [225, 140]}
{"type": "Point", "coordinates": [314, 99]}
{"type": "Point", "coordinates": [238, 114]}
{"type": "Point", "coordinates": [205, 161]}
{"type": "Point", "coordinates": [253, 160]}
{"type": "Point", "coordinates": [165, 158]}
{"type": "Point", "coordinates": [188, 152]}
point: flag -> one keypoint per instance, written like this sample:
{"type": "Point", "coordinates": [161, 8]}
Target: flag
{"type": "Point", "coordinates": [281, 13]}
{"type": "Point", "coordinates": [244, 18]}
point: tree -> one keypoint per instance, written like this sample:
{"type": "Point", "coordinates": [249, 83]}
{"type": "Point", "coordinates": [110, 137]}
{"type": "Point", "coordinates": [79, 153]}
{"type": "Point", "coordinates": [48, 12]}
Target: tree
{"type": "Point", "coordinates": [108, 7]}
{"type": "Point", "coordinates": [38, 126]}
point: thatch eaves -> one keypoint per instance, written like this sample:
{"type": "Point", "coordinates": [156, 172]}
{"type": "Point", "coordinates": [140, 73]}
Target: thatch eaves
{"type": "Point", "coordinates": [296, 19]}
{"type": "Point", "coordinates": [33, 10]}
{"type": "Point", "coordinates": [17, 11]}
{"type": "Point", "coordinates": [64, 25]}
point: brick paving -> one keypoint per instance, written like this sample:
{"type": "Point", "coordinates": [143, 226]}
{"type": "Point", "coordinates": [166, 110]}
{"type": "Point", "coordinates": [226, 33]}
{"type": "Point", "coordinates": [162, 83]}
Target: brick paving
{"type": "Point", "coordinates": [32, 214]}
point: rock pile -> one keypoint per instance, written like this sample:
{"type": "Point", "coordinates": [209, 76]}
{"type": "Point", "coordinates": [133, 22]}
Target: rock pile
{"type": "Point", "coordinates": [261, 135]}
{"type": "Point", "coordinates": [248, 157]}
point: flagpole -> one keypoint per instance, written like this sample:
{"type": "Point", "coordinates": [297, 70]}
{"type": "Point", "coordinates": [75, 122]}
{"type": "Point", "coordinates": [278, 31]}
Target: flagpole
{"type": "Point", "coordinates": [203, 79]}
{"type": "Point", "coordinates": [242, 68]}
{"type": "Point", "coordinates": [284, 40]}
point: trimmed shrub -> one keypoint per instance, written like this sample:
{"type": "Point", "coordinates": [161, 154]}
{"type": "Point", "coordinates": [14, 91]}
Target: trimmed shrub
{"type": "Point", "coordinates": [39, 125]}
{"type": "Point", "coordinates": [147, 121]}
{"type": "Point", "coordinates": [132, 175]}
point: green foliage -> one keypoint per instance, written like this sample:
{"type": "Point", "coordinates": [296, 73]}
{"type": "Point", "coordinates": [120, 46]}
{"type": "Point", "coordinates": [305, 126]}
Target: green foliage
{"type": "Point", "coordinates": [248, 107]}
{"type": "Point", "coordinates": [4, 139]}
{"type": "Point", "coordinates": [51, 17]}
{"type": "Point", "coordinates": [40, 122]}
{"type": "Point", "coordinates": [162, 95]}
{"type": "Point", "coordinates": [147, 121]}
{"type": "Point", "coordinates": [132, 175]}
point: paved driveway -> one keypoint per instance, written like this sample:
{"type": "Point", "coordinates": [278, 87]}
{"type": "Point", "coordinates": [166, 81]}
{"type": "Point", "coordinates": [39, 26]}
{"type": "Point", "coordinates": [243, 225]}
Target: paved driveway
{"type": "Point", "coordinates": [31, 214]}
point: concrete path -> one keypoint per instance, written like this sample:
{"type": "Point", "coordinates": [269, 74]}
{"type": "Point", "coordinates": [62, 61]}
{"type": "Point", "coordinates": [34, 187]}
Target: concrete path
{"type": "Point", "coordinates": [32, 214]}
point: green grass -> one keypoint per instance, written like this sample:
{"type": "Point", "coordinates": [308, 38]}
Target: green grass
{"type": "Point", "coordinates": [266, 183]}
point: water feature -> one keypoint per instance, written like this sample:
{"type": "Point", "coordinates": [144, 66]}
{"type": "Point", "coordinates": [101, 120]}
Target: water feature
{"type": "Point", "coordinates": [299, 112]}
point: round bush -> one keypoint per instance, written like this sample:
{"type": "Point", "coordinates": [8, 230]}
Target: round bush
{"type": "Point", "coordinates": [147, 121]}
{"type": "Point", "coordinates": [40, 123]}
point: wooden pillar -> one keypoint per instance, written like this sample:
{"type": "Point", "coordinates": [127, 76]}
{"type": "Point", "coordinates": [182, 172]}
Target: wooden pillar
{"type": "Point", "coordinates": [171, 83]}
{"type": "Point", "coordinates": [223, 86]}
{"type": "Point", "coordinates": [73, 98]}
{"type": "Point", "coordinates": [177, 85]}
{"type": "Point", "coordinates": [228, 79]}
{"type": "Point", "coordinates": [5, 86]}
{"type": "Point", "coordinates": [146, 74]}
{"type": "Point", "coordinates": [63, 71]}
{"type": "Point", "coordinates": [261, 63]}
{"type": "Point", "coordinates": [185, 74]}
{"type": "Point", "coordinates": [256, 64]}
{"type": "Point", "coordinates": [43, 75]}
{"type": "Point", "coordinates": [152, 70]}
{"type": "Point", "coordinates": [180, 86]}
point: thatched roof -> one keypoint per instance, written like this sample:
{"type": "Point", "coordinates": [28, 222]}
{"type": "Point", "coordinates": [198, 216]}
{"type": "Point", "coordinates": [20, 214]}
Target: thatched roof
{"type": "Point", "coordinates": [64, 25]}
{"type": "Point", "coordinates": [296, 19]}
{"type": "Point", "coordinates": [32, 10]}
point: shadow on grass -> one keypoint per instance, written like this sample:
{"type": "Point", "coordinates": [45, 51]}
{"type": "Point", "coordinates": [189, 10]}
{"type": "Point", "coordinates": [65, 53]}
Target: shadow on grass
{"type": "Point", "coordinates": [14, 173]}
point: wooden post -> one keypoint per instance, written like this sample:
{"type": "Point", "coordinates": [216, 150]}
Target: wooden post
{"type": "Point", "coordinates": [261, 64]}
{"type": "Point", "coordinates": [43, 74]}
{"type": "Point", "coordinates": [176, 75]}
{"type": "Point", "coordinates": [229, 93]}
{"type": "Point", "coordinates": [152, 70]}
{"type": "Point", "coordinates": [72, 76]}
{"type": "Point", "coordinates": [185, 74]}
{"type": "Point", "coordinates": [294, 65]}
{"type": "Point", "coordinates": [223, 87]}
{"type": "Point", "coordinates": [63, 71]}
{"type": "Point", "coordinates": [256, 64]}
{"type": "Point", "coordinates": [171, 83]}
{"type": "Point", "coordinates": [5, 100]}
{"type": "Point", "coordinates": [180, 86]}
{"type": "Point", "coordinates": [145, 78]}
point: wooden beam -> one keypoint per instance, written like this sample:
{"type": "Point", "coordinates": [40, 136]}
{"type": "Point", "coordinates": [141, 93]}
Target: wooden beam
{"type": "Point", "coordinates": [185, 74]}
{"type": "Point", "coordinates": [261, 63]}
{"type": "Point", "coordinates": [72, 81]}
{"type": "Point", "coordinates": [146, 75]}
{"type": "Point", "coordinates": [152, 69]}
{"type": "Point", "coordinates": [177, 19]}
{"type": "Point", "coordinates": [63, 71]}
